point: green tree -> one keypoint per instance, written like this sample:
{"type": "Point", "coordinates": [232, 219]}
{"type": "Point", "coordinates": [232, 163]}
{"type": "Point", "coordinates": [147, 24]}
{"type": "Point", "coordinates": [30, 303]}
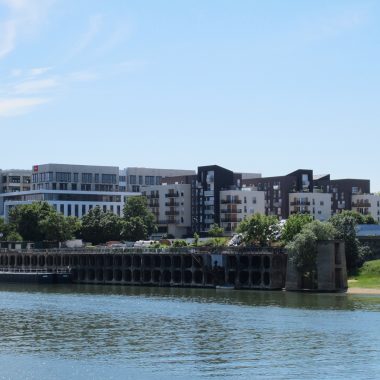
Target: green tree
{"type": "Point", "coordinates": [302, 250]}
{"type": "Point", "coordinates": [56, 227]}
{"type": "Point", "coordinates": [294, 225]}
{"type": "Point", "coordinates": [345, 226]}
{"type": "Point", "coordinates": [196, 239]}
{"type": "Point", "coordinates": [215, 231]}
{"type": "Point", "coordinates": [99, 226]}
{"type": "Point", "coordinates": [259, 229]}
{"type": "Point", "coordinates": [134, 229]}
{"type": "Point", "coordinates": [26, 220]}
{"type": "Point", "coordinates": [4, 229]}
{"type": "Point", "coordinates": [139, 221]}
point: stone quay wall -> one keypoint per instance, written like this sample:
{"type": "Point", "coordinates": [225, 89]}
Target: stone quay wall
{"type": "Point", "coordinates": [248, 269]}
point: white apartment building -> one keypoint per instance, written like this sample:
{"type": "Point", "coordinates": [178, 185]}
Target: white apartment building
{"type": "Point", "coordinates": [237, 205]}
{"type": "Point", "coordinates": [68, 203]}
{"type": "Point", "coordinates": [317, 205]}
{"type": "Point", "coordinates": [133, 178]}
{"type": "Point", "coordinates": [366, 204]}
{"type": "Point", "coordinates": [171, 204]}
{"type": "Point", "coordinates": [72, 190]}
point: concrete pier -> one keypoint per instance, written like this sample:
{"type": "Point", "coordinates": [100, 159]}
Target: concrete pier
{"type": "Point", "coordinates": [248, 269]}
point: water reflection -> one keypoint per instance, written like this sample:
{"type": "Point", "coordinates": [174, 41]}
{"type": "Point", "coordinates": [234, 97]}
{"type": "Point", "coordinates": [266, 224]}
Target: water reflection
{"type": "Point", "coordinates": [193, 332]}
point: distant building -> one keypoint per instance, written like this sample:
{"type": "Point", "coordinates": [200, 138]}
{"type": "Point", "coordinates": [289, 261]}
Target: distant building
{"type": "Point", "coordinates": [366, 204]}
{"type": "Point", "coordinates": [317, 205]}
{"type": "Point", "coordinates": [171, 205]}
{"type": "Point", "coordinates": [133, 178]}
{"type": "Point", "coordinates": [236, 205]}
{"type": "Point", "coordinates": [14, 180]}
{"type": "Point", "coordinates": [72, 190]}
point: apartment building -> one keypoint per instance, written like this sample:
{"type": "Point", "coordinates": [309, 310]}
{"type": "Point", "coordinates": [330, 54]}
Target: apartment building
{"type": "Point", "coordinates": [14, 180]}
{"type": "Point", "coordinates": [342, 190]}
{"type": "Point", "coordinates": [277, 190]}
{"type": "Point", "coordinates": [171, 205]}
{"type": "Point", "coordinates": [317, 205]}
{"type": "Point", "coordinates": [72, 190]}
{"type": "Point", "coordinates": [133, 178]}
{"type": "Point", "coordinates": [238, 204]}
{"type": "Point", "coordinates": [366, 204]}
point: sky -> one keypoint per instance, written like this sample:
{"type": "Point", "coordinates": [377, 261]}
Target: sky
{"type": "Point", "coordinates": [254, 86]}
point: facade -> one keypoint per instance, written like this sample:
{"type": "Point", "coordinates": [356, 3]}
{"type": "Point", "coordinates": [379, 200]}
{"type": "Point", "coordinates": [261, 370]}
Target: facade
{"type": "Point", "coordinates": [317, 205]}
{"type": "Point", "coordinates": [134, 178]}
{"type": "Point", "coordinates": [68, 203]}
{"type": "Point", "coordinates": [75, 177]}
{"type": "Point", "coordinates": [366, 204]}
{"type": "Point", "coordinates": [237, 205]}
{"type": "Point", "coordinates": [72, 190]}
{"type": "Point", "coordinates": [171, 205]}
{"type": "Point", "coordinates": [14, 180]}
{"type": "Point", "coordinates": [278, 189]}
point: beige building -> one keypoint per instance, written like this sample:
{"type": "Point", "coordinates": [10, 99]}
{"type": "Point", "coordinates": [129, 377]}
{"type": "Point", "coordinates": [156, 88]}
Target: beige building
{"type": "Point", "coordinates": [317, 205]}
{"type": "Point", "coordinates": [237, 205]}
{"type": "Point", "coordinates": [367, 204]}
{"type": "Point", "coordinates": [171, 204]}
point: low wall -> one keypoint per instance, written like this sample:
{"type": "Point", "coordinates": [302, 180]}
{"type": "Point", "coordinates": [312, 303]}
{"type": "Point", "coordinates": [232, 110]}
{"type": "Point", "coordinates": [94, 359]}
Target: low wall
{"type": "Point", "coordinates": [188, 268]}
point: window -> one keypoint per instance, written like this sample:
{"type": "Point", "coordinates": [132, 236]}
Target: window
{"type": "Point", "coordinates": [62, 208]}
{"type": "Point", "coordinates": [68, 210]}
{"type": "Point", "coordinates": [141, 180]}
{"type": "Point", "coordinates": [122, 178]}
{"type": "Point", "coordinates": [86, 177]}
{"type": "Point", "coordinates": [75, 177]}
{"type": "Point", "coordinates": [108, 178]}
{"type": "Point", "coordinates": [96, 178]}
{"type": "Point", "coordinates": [132, 179]}
{"type": "Point", "coordinates": [158, 180]}
{"type": "Point", "coordinates": [83, 209]}
{"type": "Point", "coordinates": [76, 208]}
{"type": "Point", "coordinates": [321, 203]}
{"type": "Point", "coordinates": [149, 180]}
{"type": "Point", "coordinates": [62, 176]}
{"type": "Point", "coordinates": [73, 186]}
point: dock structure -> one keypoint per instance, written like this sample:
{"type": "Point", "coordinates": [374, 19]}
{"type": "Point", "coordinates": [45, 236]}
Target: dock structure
{"type": "Point", "coordinates": [249, 268]}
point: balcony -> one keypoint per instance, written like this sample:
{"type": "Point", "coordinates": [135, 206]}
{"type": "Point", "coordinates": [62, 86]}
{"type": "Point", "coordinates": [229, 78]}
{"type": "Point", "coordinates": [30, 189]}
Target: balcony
{"type": "Point", "coordinates": [361, 204]}
{"type": "Point", "coordinates": [172, 212]}
{"type": "Point", "coordinates": [231, 220]}
{"type": "Point", "coordinates": [299, 203]}
{"type": "Point", "coordinates": [172, 195]}
{"type": "Point", "coordinates": [228, 211]}
{"type": "Point", "coordinates": [171, 204]}
{"type": "Point", "coordinates": [230, 201]}
{"type": "Point", "coordinates": [299, 212]}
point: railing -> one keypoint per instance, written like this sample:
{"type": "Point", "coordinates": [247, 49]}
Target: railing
{"type": "Point", "coordinates": [171, 212]}
{"type": "Point", "coordinates": [299, 203]}
{"type": "Point", "coordinates": [231, 201]}
{"type": "Point", "coordinates": [172, 195]}
{"type": "Point", "coordinates": [361, 204]}
{"type": "Point", "coordinates": [228, 211]}
{"type": "Point", "coordinates": [171, 204]}
{"type": "Point", "coordinates": [143, 250]}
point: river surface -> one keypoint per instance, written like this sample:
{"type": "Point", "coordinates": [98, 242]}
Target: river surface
{"type": "Point", "coordinates": [106, 332]}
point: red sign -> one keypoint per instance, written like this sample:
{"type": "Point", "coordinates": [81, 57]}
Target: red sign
{"type": "Point", "coordinates": [35, 168]}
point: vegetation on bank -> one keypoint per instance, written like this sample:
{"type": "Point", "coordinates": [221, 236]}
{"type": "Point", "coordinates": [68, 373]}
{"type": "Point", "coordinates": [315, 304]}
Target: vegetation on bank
{"type": "Point", "coordinates": [368, 276]}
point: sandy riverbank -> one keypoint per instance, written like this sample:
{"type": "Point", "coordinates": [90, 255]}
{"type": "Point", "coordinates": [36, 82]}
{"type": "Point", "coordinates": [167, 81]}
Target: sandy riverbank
{"type": "Point", "coordinates": [363, 291]}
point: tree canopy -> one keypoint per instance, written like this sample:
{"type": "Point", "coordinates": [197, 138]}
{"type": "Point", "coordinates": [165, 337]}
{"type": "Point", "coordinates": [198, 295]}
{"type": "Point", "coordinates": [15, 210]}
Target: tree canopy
{"type": "Point", "coordinates": [139, 221]}
{"type": "Point", "coordinates": [260, 229]}
{"type": "Point", "coordinates": [39, 221]}
{"type": "Point", "coordinates": [99, 226]}
{"type": "Point", "coordinates": [294, 225]}
{"type": "Point", "coordinates": [215, 231]}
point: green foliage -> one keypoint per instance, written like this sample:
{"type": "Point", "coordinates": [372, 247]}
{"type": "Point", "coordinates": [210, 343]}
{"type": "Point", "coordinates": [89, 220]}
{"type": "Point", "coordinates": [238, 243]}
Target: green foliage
{"type": "Point", "coordinates": [5, 229]}
{"type": "Point", "coordinates": [368, 276]}
{"type": "Point", "coordinates": [216, 242]}
{"type": "Point", "coordinates": [294, 225]}
{"type": "Point", "coordinates": [39, 221]}
{"type": "Point", "coordinates": [196, 239]}
{"type": "Point", "coordinates": [345, 225]}
{"type": "Point", "coordinates": [302, 250]}
{"type": "Point", "coordinates": [259, 229]}
{"type": "Point", "coordinates": [369, 219]}
{"type": "Point", "coordinates": [215, 231]}
{"type": "Point", "coordinates": [99, 226]}
{"type": "Point", "coordinates": [140, 222]}
{"type": "Point", "coordinates": [27, 220]}
{"type": "Point", "coordinates": [13, 236]}
{"type": "Point", "coordinates": [134, 229]}
{"type": "Point", "coordinates": [179, 243]}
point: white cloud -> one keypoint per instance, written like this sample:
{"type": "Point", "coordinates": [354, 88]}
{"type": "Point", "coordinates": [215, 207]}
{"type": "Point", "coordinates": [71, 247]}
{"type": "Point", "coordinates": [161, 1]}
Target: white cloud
{"type": "Point", "coordinates": [35, 86]}
{"type": "Point", "coordinates": [83, 76]}
{"type": "Point", "coordinates": [39, 70]}
{"type": "Point", "coordinates": [25, 17]}
{"type": "Point", "coordinates": [92, 30]}
{"type": "Point", "coordinates": [17, 106]}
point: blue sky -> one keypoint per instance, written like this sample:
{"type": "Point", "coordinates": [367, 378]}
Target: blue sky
{"type": "Point", "coordinates": [257, 86]}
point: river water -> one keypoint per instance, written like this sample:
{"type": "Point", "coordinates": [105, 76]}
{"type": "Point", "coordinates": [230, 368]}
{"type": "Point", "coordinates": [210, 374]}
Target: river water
{"type": "Point", "coordinates": [106, 332]}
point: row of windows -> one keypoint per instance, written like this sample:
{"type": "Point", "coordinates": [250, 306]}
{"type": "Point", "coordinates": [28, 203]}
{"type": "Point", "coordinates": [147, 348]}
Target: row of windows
{"type": "Point", "coordinates": [68, 176]}
{"type": "Point", "coordinates": [149, 180]}
{"type": "Point", "coordinates": [73, 210]}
